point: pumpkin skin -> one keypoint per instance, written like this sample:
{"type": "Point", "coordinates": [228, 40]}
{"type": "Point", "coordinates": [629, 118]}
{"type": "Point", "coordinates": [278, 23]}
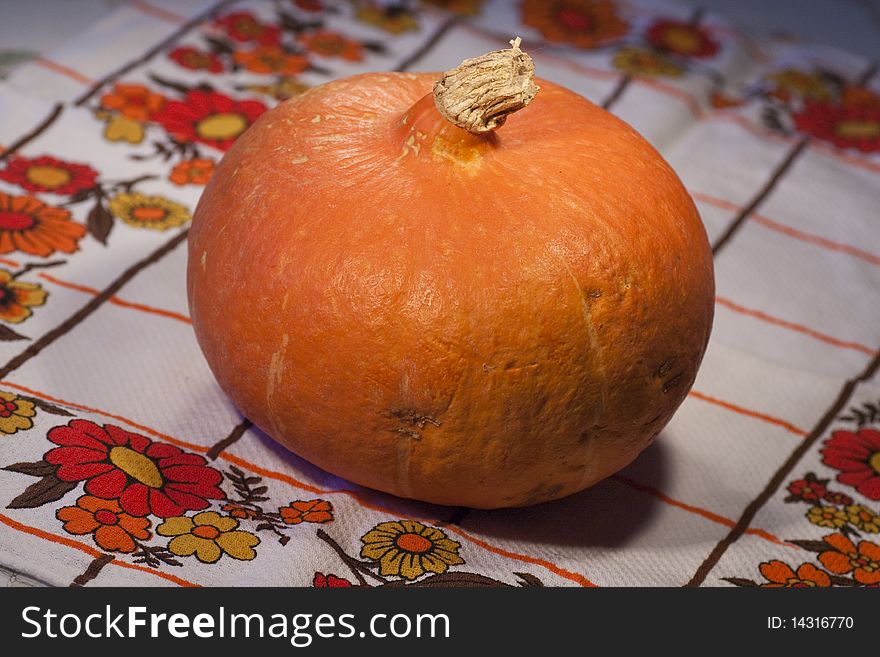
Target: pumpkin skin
{"type": "Point", "coordinates": [479, 321]}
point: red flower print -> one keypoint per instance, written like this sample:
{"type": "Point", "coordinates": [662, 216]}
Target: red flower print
{"type": "Point", "coordinates": [146, 477]}
{"type": "Point", "coordinates": [243, 26]}
{"type": "Point", "coordinates": [330, 581]}
{"type": "Point", "coordinates": [780, 574]}
{"type": "Point", "coordinates": [808, 489]}
{"type": "Point", "coordinates": [844, 558]}
{"type": "Point", "coordinates": [306, 511]}
{"type": "Point", "coordinates": [196, 60]}
{"type": "Point", "coordinates": [111, 528]}
{"type": "Point", "coordinates": [309, 5]}
{"type": "Point", "coordinates": [208, 117]}
{"type": "Point", "coordinates": [46, 174]}
{"type": "Point", "coordinates": [853, 125]}
{"type": "Point", "coordinates": [857, 456]}
{"type": "Point", "coordinates": [682, 38]}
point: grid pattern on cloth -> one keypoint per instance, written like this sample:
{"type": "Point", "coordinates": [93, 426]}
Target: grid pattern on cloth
{"type": "Point", "coordinates": [768, 475]}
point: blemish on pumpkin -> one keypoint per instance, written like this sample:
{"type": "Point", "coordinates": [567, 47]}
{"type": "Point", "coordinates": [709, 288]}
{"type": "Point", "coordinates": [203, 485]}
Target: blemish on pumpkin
{"type": "Point", "coordinates": [300, 160]}
{"type": "Point", "coordinates": [316, 118]}
{"type": "Point", "coordinates": [204, 260]}
{"type": "Point", "coordinates": [489, 368]}
{"type": "Point", "coordinates": [666, 366]}
{"type": "Point", "coordinates": [671, 383]}
{"type": "Point", "coordinates": [415, 420]}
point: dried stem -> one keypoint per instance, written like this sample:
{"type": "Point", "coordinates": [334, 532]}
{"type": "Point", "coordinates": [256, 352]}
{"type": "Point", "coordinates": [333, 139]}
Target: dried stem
{"type": "Point", "coordinates": [480, 93]}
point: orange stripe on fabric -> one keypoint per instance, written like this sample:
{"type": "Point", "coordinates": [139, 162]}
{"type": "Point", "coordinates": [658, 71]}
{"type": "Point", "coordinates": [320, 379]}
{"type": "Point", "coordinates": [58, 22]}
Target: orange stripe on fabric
{"type": "Point", "coordinates": [754, 531]}
{"type": "Point", "coordinates": [714, 517]}
{"type": "Point", "coordinates": [64, 70]}
{"type": "Point", "coordinates": [673, 92]}
{"type": "Point", "coordinates": [710, 515]}
{"type": "Point", "coordinates": [158, 12]}
{"type": "Point", "coordinates": [9, 263]}
{"type": "Point", "coordinates": [82, 547]}
{"type": "Point", "coordinates": [727, 303]}
{"type": "Point", "coordinates": [714, 200]}
{"type": "Point", "coordinates": [553, 568]}
{"type": "Point", "coordinates": [824, 242]}
{"type": "Point", "coordinates": [575, 577]}
{"type": "Point", "coordinates": [117, 301]}
{"type": "Point", "coordinates": [90, 409]}
{"type": "Point", "coordinates": [748, 412]}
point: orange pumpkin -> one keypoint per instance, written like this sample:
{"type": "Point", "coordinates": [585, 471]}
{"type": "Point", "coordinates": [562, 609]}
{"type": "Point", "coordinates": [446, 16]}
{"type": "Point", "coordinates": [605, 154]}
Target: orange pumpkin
{"type": "Point", "coordinates": [444, 311]}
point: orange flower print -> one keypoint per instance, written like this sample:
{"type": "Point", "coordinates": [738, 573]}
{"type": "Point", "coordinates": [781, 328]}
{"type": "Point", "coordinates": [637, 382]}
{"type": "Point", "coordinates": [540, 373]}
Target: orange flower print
{"type": "Point", "coordinates": [779, 574]}
{"type": "Point", "coordinates": [332, 44]}
{"type": "Point", "coordinates": [134, 101]}
{"type": "Point", "coordinates": [110, 527]}
{"type": "Point", "coordinates": [197, 171]}
{"type": "Point", "coordinates": [17, 298]}
{"type": "Point", "coordinates": [30, 226]}
{"type": "Point", "coordinates": [584, 23]}
{"type": "Point", "coordinates": [306, 511]}
{"type": "Point", "coordinates": [271, 59]}
{"type": "Point", "coordinates": [844, 557]}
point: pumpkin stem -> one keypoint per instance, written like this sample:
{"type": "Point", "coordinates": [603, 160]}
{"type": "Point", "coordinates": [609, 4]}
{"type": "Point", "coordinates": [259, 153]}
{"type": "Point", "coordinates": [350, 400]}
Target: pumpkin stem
{"type": "Point", "coordinates": [478, 94]}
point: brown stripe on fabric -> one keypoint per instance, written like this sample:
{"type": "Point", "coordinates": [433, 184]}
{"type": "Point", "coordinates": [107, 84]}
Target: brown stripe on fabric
{"type": "Point", "coordinates": [152, 52]}
{"type": "Point", "coordinates": [233, 437]}
{"type": "Point", "coordinates": [617, 92]}
{"type": "Point", "coordinates": [96, 302]}
{"type": "Point", "coordinates": [762, 194]}
{"type": "Point", "coordinates": [426, 47]}
{"type": "Point", "coordinates": [33, 134]}
{"type": "Point", "coordinates": [92, 571]}
{"type": "Point", "coordinates": [772, 486]}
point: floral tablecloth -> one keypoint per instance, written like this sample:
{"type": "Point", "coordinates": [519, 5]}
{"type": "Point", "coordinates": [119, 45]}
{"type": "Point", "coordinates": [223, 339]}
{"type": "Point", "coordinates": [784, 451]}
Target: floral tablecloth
{"type": "Point", "coordinates": [122, 462]}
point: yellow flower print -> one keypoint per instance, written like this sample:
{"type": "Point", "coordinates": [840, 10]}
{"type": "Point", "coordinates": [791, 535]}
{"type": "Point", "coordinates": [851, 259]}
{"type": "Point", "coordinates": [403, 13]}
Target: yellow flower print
{"type": "Point", "coordinates": [15, 413]}
{"type": "Point", "coordinates": [122, 128]}
{"type": "Point", "coordinates": [861, 517]}
{"type": "Point", "coordinates": [827, 516]}
{"type": "Point", "coordinates": [208, 535]}
{"type": "Point", "coordinates": [641, 61]}
{"type": "Point", "coordinates": [154, 212]}
{"type": "Point", "coordinates": [808, 85]}
{"type": "Point", "coordinates": [408, 548]}
{"type": "Point", "coordinates": [17, 298]}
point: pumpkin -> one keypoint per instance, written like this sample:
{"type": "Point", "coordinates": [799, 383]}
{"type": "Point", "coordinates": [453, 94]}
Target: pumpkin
{"type": "Point", "coordinates": [409, 286]}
